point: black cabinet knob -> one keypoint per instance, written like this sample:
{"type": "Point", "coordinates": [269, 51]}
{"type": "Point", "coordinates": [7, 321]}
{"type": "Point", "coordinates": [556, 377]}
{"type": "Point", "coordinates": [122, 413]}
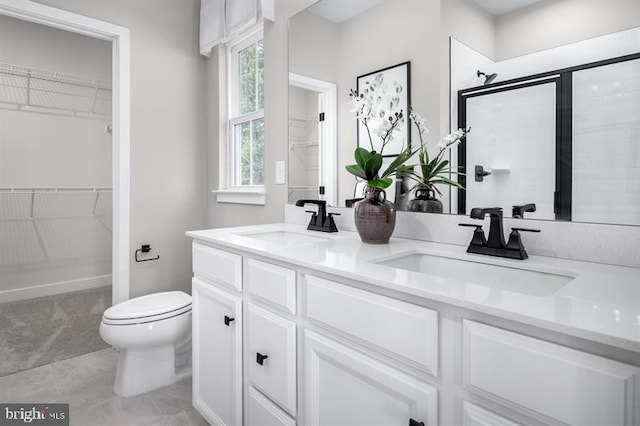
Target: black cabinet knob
{"type": "Point", "coordinates": [415, 423]}
{"type": "Point", "coordinates": [260, 358]}
{"type": "Point", "coordinates": [227, 320]}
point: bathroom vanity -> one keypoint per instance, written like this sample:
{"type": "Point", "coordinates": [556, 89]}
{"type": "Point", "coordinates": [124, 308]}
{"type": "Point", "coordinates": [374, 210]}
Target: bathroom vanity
{"type": "Point", "coordinates": [298, 327]}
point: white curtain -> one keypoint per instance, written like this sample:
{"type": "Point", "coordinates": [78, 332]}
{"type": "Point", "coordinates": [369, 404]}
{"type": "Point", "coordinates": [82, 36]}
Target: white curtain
{"type": "Point", "coordinates": [220, 20]}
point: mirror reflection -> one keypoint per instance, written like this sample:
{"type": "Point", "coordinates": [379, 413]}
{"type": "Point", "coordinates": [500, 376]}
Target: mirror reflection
{"type": "Point", "coordinates": [513, 147]}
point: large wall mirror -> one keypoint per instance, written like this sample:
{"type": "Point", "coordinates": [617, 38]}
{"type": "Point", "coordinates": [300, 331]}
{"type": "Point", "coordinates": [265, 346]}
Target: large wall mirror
{"type": "Point", "coordinates": [550, 88]}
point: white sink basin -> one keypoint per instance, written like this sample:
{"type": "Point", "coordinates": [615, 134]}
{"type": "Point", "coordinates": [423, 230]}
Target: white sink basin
{"type": "Point", "coordinates": [287, 238]}
{"type": "Point", "coordinates": [506, 278]}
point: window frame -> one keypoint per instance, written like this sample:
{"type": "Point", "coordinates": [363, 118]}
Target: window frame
{"type": "Point", "coordinates": [231, 192]}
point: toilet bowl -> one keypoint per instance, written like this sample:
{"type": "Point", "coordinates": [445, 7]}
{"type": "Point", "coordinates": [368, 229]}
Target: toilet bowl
{"type": "Point", "coordinates": [148, 331]}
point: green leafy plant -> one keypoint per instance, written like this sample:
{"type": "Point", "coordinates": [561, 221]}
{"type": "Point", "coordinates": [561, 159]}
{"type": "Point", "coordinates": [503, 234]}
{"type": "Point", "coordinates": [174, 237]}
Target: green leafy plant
{"type": "Point", "coordinates": [377, 108]}
{"type": "Point", "coordinates": [434, 170]}
{"type": "Point", "coordinates": [369, 163]}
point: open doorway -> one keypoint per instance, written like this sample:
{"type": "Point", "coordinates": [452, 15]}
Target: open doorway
{"type": "Point", "coordinates": [64, 184]}
{"type": "Point", "coordinates": [312, 139]}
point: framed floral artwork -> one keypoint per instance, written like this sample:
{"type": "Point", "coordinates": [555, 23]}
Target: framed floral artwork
{"type": "Point", "coordinates": [395, 84]}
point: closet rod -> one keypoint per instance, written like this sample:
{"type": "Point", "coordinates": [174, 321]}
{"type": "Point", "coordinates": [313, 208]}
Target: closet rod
{"type": "Point", "coordinates": [56, 77]}
{"type": "Point", "coordinates": [53, 189]}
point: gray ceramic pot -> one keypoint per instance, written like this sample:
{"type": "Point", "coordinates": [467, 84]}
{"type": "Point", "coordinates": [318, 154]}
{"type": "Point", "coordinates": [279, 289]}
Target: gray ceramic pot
{"type": "Point", "coordinates": [375, 217]}
{"type": "Point", "coordinates": [425, 201]}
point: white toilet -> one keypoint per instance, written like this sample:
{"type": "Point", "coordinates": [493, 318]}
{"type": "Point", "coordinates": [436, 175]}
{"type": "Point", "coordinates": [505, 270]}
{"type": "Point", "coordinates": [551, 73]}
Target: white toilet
{"type": "Point", "coordinates": [148, 331]}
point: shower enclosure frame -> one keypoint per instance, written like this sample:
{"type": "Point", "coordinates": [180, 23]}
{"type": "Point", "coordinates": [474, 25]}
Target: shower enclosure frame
{"type": "Point", "coordinates": [119, 37]}
{"type": "Point", "coordinates": [563, 79]}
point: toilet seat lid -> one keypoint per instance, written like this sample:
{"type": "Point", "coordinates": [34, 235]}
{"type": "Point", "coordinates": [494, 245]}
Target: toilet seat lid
{"type": "Point", "coordinates": [149, 305]}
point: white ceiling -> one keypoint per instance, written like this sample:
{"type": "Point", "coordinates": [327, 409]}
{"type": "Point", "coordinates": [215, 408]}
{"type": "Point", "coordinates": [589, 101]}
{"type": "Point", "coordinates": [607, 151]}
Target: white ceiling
{"type": "Point", "coordinates": [340, 10]}
{"type": "Point", "coordinates": [500, 7]}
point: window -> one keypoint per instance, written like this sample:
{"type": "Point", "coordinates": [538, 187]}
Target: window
{"type": "Point", "coordinates": [245, 134]}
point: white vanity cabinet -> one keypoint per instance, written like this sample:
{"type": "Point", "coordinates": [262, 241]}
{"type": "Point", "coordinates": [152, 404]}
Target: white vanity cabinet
{"type": "Point", "coordinates": [281, 343]}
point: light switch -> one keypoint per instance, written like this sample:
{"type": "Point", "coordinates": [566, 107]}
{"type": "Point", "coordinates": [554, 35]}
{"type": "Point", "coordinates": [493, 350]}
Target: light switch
{"type": "Point", "coordinates": [280, 173]}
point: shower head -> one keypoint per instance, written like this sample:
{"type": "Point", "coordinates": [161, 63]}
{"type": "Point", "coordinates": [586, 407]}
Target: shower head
{"type": "Point", "coordinates": [488, 78]}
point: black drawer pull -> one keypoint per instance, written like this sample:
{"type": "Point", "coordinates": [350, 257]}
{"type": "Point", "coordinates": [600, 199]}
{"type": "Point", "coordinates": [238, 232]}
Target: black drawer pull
{"type": "Point", "coordinates": [227, 320]}
{"type": "Point", "coordinates": [415, 423]}
{"type": "Point", "coordinates": [260, 358]}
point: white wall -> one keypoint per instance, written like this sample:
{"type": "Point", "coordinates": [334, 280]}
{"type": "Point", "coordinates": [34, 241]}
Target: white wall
{"type": "Point", "coordinates": [313, 47]}
{"type": "Point", "coordinates": [168, 143]}
{"type": "Point", "coordinates": [388, 34]}
{"type": "Point", "coordinates": [467, 22]}
{"type": "Point", "coordinates": [40, 150]}
{"type": "Point", "coordinates": [54, 49]}
{"type": "Point", "coordinates": [549, 24]}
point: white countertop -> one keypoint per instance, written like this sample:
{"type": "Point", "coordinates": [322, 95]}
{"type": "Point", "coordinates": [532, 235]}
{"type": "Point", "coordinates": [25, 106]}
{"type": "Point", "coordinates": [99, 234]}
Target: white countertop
{"type": "Point", "coordinates": [601, 304]}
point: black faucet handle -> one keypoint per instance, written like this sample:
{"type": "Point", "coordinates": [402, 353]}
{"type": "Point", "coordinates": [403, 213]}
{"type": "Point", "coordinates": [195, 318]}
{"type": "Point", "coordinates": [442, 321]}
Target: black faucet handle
{"type": "Point", "coordinates": [474, 225]}
{"type": "Point", "coordinates": [478, 235]}
{"type": "Point", "coordinates": [515, 242]}
{"type": "Point", "coordinates": [330, 224]}
{"type": "Point", "coordinates": [525, 230]}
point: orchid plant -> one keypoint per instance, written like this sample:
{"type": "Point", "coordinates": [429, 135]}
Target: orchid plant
{"type": "Point", "coordinates": [434, 170]}
{"type": "Point", "coordinates": [377, 107]}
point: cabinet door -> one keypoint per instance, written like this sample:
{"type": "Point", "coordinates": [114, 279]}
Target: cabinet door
{"type": "Point", "coordinates": [217, 354]}
{"type": "Point", "coordinates": [346, 387]}
{"type": "Point", "coordinates": [271, 355]}
{"type": "Point", "coordinates": [564, 384]}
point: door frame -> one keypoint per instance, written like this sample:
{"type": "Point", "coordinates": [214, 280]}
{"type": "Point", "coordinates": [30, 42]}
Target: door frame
{"type": "Point", "coordinates": [121, 175]}
{"type": "Point", "coordinates": [328, 138]}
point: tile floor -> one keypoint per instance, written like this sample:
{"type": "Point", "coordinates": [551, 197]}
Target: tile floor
{"type": "Point", "coordinates": [85, 382]}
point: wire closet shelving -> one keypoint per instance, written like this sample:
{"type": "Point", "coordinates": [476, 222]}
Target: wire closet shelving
{"type": "Point", "coordinates": [33, 90]}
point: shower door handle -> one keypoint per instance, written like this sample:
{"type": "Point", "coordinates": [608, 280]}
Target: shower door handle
{"type": "Point", "coordinates": [480, 173]}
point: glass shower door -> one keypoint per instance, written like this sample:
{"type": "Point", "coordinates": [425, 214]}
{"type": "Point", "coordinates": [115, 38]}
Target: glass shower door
{"type": "Point", "coordinates": [606, 144]}
{"type": "Point", "coordinates": [513, 139]}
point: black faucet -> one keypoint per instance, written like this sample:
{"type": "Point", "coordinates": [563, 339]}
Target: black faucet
{"type": "Point", "coordinates": [496, 236]}
{"type": "Point", "coordinates": [518, 211]}
{"type": "Point", "coordinates": [320, 220]}
{"type": "Point", "coordinates": [495, 244]}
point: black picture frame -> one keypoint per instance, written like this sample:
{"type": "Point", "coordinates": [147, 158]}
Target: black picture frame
{"type": "Point", "coordinates": [402, 74]}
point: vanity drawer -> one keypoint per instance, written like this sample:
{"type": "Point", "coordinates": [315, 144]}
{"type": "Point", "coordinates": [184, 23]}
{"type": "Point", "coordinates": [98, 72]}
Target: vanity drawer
{"type": "Point", "coordinates": [262, 412]}
{"type": "Point", "coordinates": [473, 415]}
{"type": "Point", "coordinates": [272, 283]}
{"type": "Point", "coordinates": [217, 265]}
{"type": "Point", "coordinates": [395, 326]}
{"type": "Point", "coordinates": [271, 356]}
{"type": "Point", "coordinates": [561, 383]}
